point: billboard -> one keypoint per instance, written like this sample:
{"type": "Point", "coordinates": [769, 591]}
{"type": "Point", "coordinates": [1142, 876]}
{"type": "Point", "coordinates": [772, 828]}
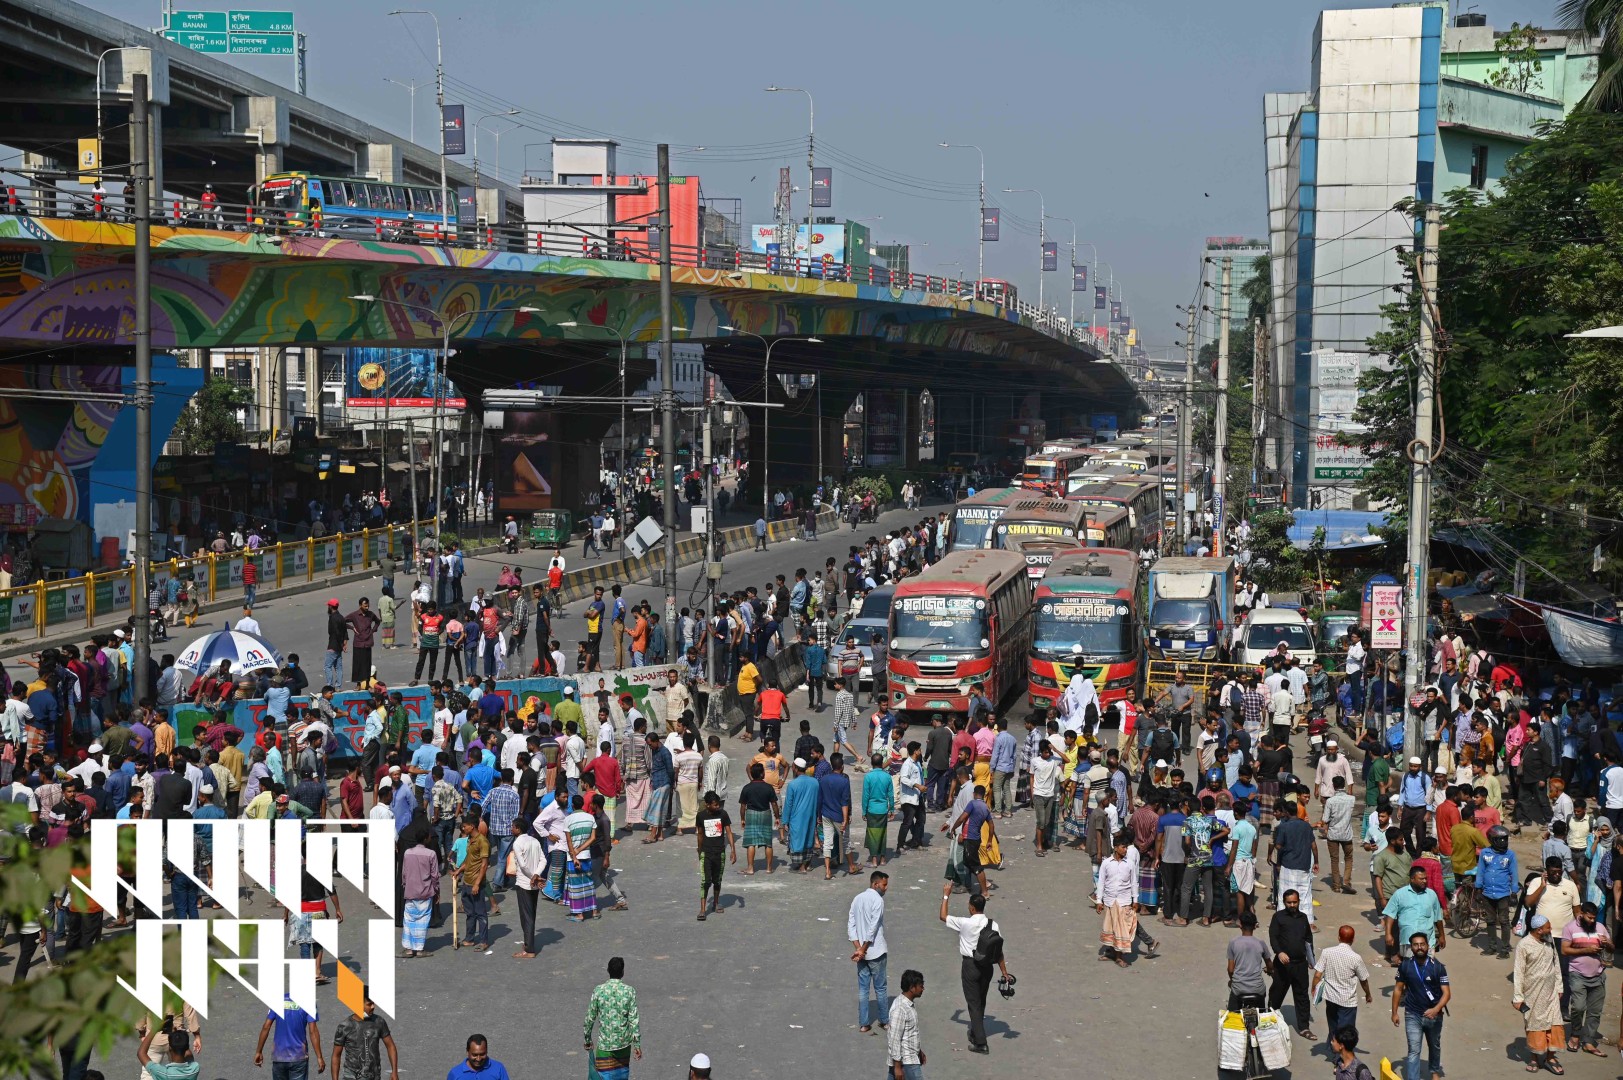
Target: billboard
{"type": "Point", "coordinates": [453, 124]}
{"type": "Point", "coordinates": [1098, 298]}
{"type": "Point", "coordinates": [1050, 255]}
{"type": "Point", "coordinates": [989, 224]}
{"type": "Point", "coordinates": [397, 379]}
{"type": "Point", "coordinates": [524, 460]}
{"type": "Point", "coordinates": [1335, 383]}
{"type": "Point", "coordinates": [1079, 279]}
{"type": "Point", "coordinates": [1386, 617]}
{"type": "Point", "coordinates": [643, 210]}
{"type": "Point", "coordinates": [827, 241]}
{"type": "Point", "coordinates": [822, 192]}
{"type": "Point", "coordinates": [884, 435]}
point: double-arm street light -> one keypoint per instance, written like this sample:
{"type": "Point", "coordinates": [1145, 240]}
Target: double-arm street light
{"type": "Point", "coordinates": [980, 224]}
{"type": "Point", "coordinates": [498, 134]}
{"type": "Point", "coordinates": [448, 325]}
{"type": "Point", "coordinates": [766, 415]}
{"type": "Point", "coordinates": [1042, 233]}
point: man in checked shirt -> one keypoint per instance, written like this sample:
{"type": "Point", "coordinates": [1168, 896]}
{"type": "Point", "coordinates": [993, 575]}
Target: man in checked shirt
{"type": "Point", "coordinates": [1252, 704]}
{"type": "Point", "coordinates": [501, 807]}
{"type": "Point", "coordinates": [902, 1036]}
{"type": "Point", "coordinates": [1026, 754]}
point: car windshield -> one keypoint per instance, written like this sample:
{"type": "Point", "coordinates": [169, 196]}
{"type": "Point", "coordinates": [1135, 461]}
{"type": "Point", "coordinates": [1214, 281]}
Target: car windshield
{"type": "Point", "coordinates": [973, 529]}
{"type": "Point", "coordinates": [1268, 636]}
{"type": "Point", "coordinates": [1101, 625]}
{"type": "Point", "coordinates": [876, 606]}
{"type": "Point", "coordinates": [955, 622]}
{"type": "Point", "coordinates": [1183, 613]}
{"type": "Point", "coordinates": [1041, 470]}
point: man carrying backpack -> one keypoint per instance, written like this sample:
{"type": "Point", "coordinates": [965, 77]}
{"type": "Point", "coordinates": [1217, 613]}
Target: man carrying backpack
{"type": "Point", "coordinates": [980, 947]}
{"type": "Point", "coordinates": [1163, 742]}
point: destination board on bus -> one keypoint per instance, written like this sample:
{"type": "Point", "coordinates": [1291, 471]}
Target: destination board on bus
{"type": "Point", "coordinates": [1100, 610]}
{"type": "Point", "coordinates": [1035, 528]}
{"type": "Point", "coordinates": [948, 606]}
{"type": "Point", "coordinates": [978, 513]}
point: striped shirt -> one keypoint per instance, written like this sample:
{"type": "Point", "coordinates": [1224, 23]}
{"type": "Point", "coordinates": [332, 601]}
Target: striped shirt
{"type": "Point", "coordinates": [902, 1040]}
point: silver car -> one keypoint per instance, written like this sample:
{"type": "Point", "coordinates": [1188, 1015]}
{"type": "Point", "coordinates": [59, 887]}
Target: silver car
{"type": "Point", "coordinates": [872, 617]}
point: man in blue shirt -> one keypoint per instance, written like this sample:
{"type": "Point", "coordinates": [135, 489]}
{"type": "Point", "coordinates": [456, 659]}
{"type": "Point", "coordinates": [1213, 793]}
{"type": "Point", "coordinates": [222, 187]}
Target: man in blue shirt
{"type": "Point", "coordinates": [423, 760]}
{"type": "Point", "coordinates": [1498, 880]}
{"type": "Point", "coordinates": [834, 808]}
{"type": "Point", "coordinates": [1423, 992]}
{"type": "Point", "coordinates": [967, 828]}
{"type": "Point", "coordinates": [816, 659]}
{"type": "Point", "coordinates": [480, 1065]}
{"type": "Point", "coordinates": [1414, 789]}
{"type": "Point", "coordinates": [1413, 912]}
{"type": "Point", "coordinates": [479, 778]}
{"type": "Point", "coordinates": [1004, 749]}
{"type": "Point", "coordinates": [296, 1033]}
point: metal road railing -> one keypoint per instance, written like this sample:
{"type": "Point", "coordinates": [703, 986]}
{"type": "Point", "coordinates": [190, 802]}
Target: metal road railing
{"type": "Point", "coordinates": [47, 606]}
{"type": "Point", "coordinates": [549, 240]}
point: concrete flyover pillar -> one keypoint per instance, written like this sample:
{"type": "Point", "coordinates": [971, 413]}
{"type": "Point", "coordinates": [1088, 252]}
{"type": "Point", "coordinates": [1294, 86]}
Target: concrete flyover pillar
{"type": "Point", "coordinates": [265, 121]}
{"type": "Point", "coordinates": [382, 160]}
{"type": "Point", "coordinates": [117, 78]}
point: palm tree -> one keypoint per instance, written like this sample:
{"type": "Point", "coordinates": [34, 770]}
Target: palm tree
{"type": "Point", "coordinates": [1602, 19]}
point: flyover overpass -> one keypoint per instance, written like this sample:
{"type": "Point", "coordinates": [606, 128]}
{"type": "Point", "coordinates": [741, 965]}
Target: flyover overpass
{"type": "Point", "coordinates": [217, 124]}
{"type": "Point", "coordinates": [66, 288]}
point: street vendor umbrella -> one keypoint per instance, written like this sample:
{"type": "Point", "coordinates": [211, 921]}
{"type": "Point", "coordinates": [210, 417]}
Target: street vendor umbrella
{"type": "Point", "coordinates": [246, 652]}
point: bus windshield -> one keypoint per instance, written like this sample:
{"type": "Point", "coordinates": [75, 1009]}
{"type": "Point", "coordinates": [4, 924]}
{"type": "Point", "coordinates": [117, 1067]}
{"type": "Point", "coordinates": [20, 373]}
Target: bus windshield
{"type": "Point", "coordinates": [972, 527]}
{"type": "Point", "coordinates": [1041, 470]}
{"type": "Point", "coordinates": [946, 622]}
{"type": "Point", "coordinates": [282, 195]}
{"type": "Point", "coordinates": [1102, 625]}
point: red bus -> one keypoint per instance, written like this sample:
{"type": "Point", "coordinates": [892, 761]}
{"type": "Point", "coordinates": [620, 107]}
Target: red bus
{"type": "Point", "coordinates": [1040, 551]}
{"type": "Point", "coordinates": [1141, 499]}
{"type": "Point", "coordinates": [964, 623]}
{"type": "Point", "coordinates": [1087, 626]}
{"type": "Point", "coordinates": [1051, 473]}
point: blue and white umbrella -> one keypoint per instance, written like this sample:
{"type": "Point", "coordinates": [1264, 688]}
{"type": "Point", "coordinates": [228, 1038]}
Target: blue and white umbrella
{"type": "Point", "coordinates": [246, 652]}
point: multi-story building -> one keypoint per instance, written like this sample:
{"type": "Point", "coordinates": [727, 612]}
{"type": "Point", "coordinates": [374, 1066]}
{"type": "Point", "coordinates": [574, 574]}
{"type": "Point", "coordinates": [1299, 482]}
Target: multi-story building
{"type": "Point", "coordinates": [1399, 107]}
{"type": "Point", "coordinates": [1244, 251]}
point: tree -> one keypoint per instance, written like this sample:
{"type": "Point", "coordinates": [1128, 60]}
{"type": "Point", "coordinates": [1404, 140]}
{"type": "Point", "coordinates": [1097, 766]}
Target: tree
{"type": "Point", "coordinates": [1601, 19]}
{"type": "Point", "coordinates": [1277, 564]}
{"type": "Point", "coordinates": [211, 416]}
{"type": "Point", "coordinates": [1518, 48]}
{"type": "Point", "coordinates": [1528, 423]}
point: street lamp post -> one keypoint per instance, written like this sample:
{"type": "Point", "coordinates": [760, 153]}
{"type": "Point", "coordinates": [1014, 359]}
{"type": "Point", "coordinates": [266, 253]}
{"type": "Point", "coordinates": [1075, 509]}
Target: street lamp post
{"type": "Point", "coordinates": [476, 123]}
{"type": "Point", "coordinates": [766, 413]}
{"type": "Point", "coordinates": [980, 224]}
{"type": "Point", "coordinates": [411, 87]}
{"type": "Point", "coordinates": [1070, 324]}
{"type": "Point", "coordinates": [1042, 234]}
{"type": "Point", "coordinates": [447, 326]}
{"type": "Point", "coordinates": [620, 463]}
{"type": "Point", "coordinates": [439, 100]}
{"type": "Point", "coordinates": [811, 143]}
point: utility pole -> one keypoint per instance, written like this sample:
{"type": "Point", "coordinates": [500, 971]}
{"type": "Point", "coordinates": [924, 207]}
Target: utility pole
{"type": "Point", "coordinates": [667, 385]}
{"type": "Point", "coordinates": [709, 530]}
{"type": "Point", "coordinates": [1419, 453]}
{"type": "Point", "coordinates": [411, 475]}
{"type": "Point", "coordinates": [1183, 421]}
{"type": "Point", "coordinates": [141, 555]}
{"type": "Point", "coordinates": [1220, 440]}
{"type": "Point", "coordinates": [1259, 380]}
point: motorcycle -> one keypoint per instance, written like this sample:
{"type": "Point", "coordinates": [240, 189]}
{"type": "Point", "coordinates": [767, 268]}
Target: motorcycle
{"type": "Point", "coordinates": [159, 628]}
{"type": "Point", "coordinates": [510, 545]}
{"type": "Point", "coordinates": [1317, 725]}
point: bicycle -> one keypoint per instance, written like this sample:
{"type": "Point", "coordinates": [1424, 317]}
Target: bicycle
{"type": "Point", "coordinates": [1467, 911]}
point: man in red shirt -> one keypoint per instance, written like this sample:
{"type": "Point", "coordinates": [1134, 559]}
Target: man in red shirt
{"type": "Point", "coordinates": [962, 739]}
{"type": "Point", "coordinates": [351, 803]}
{"type": "Point", "coordinates": [1448, 816]}
{"type": "Point", "coordinates": [772, 705]}
{"type": "Point", "coordinates": [603, 772]}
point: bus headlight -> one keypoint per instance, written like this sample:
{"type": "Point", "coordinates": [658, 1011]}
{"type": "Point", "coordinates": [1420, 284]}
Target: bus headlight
{"type": "Point", "coordinates": [1122, 683]}
{"type": "Point", "coordinates": [1043, 681]}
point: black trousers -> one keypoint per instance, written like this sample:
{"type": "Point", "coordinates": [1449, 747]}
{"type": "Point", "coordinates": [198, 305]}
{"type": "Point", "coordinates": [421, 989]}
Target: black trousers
{"type": "Point", "coordinates": [429, 655]}
{"type": "Point", "coordinates": [911, 834]}
{"type": "Point", "coordinates": [371, 758]}
{"type": "Point", "coordinates": [526, 919]}
{"type": "Point", "coordinates": [977, 980]}
{"type": "Point", "coordinates": [360, 664]}
{"type": "Point", "coordinates": [1292, 978]}
{"type": "Point", "coordinates": [1413, 823]}
{"type": "Point", "coordinates": [1171, 889]}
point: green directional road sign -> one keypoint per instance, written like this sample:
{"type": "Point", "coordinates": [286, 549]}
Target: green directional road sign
{"type": "Point", "coordinates": [261, 44]}
{"type": "Point", "coordinates": [261, 22]}
{"type": "Point", "coordinates": [199, 22]}
{"type": "Point", "coordinates": [204, 42]}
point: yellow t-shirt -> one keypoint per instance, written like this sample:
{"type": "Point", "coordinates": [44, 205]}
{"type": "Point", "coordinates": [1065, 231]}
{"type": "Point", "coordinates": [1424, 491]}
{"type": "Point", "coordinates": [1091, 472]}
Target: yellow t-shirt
{"type": "Point", "coordinates": [749, 679]}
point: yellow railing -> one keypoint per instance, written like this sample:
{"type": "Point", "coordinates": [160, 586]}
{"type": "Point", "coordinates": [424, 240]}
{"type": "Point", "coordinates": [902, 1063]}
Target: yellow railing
{"type": "Point", "coordinates": [47, 606]}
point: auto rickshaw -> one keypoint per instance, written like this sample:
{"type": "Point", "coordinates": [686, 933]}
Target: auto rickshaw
{"type": "Point", "coordinates": [551, 528]}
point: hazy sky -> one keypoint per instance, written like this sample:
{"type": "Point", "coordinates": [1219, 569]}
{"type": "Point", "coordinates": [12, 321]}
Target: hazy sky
{"type": "Point", "coordinates": [1141, 121]}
